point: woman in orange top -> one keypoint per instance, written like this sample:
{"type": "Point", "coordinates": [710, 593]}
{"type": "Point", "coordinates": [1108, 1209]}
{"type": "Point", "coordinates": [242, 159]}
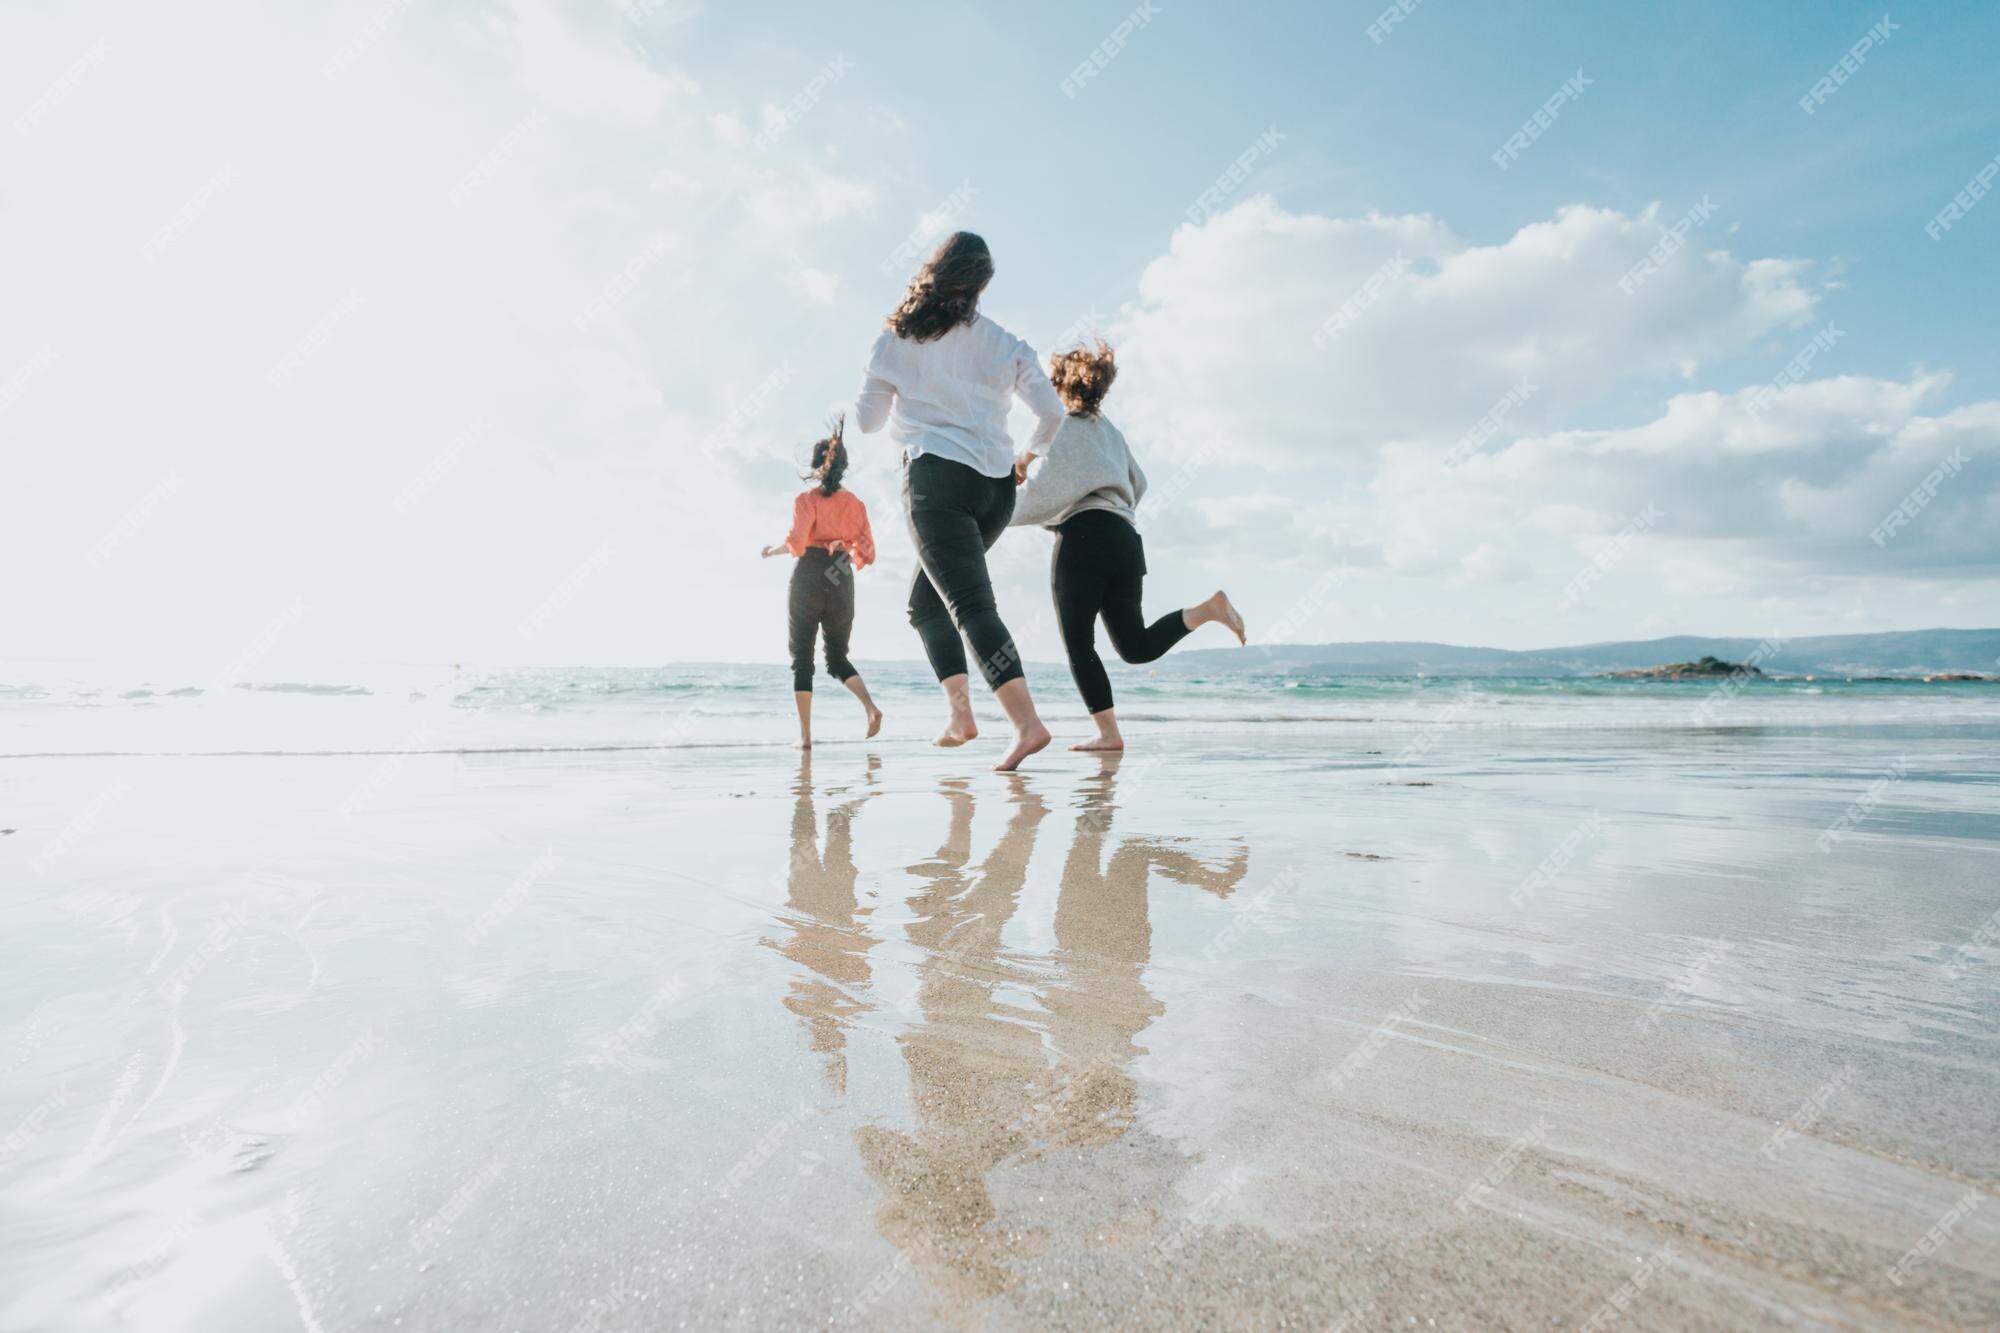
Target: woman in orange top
{"type": "Point", "coordinates": [831, 539]}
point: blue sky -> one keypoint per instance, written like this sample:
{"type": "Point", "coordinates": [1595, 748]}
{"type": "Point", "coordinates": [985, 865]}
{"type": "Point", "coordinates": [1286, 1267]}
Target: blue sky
{"type": "Point", "coordinates": [418, 202]}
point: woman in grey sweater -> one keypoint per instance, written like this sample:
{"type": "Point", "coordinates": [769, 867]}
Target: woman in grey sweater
{"type": "Point", "coordinates": [1087, 491]}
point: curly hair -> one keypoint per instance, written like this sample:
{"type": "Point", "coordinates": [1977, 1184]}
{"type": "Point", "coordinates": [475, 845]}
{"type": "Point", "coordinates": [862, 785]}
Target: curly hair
{"type": "Point", "coordinates": [829, 459]}
{"type": "Point", "coordinates": [1082, 376]}
{"type": "Point", "coordinates": [945, 292]}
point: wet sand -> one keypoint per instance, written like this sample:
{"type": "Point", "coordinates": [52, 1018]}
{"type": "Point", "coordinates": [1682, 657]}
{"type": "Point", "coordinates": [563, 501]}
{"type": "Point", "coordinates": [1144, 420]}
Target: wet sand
{"type": "Point", "coordinates": [1284, 1030]}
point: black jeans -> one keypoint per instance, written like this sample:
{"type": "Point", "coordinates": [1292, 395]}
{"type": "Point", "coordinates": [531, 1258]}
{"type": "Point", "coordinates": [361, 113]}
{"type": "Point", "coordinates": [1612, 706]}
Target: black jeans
{"type": "Point", "coordinates": [1099, 568]}
{"type": "Point", "coordinates": [956, 514]}
{"type": "Point", "coordinates": [822, 600]}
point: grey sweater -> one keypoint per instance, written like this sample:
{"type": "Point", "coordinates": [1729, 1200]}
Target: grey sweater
{"type": "Point", "coordinates": [1088, 467]}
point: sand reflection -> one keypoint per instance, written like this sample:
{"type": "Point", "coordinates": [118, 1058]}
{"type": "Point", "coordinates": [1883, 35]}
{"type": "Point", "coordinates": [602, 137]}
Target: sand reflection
{"type": "Point", "coordinates": [1011, 1055]}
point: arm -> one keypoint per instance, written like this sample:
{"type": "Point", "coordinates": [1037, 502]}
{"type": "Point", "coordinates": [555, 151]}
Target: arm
{"type": "Point", "coordinates": [862, 549]}
{"type": "Point", "coordinates": [1031, 382]}
{"type": "Point", "coordinates": [1054, 487]}
{"type": "Point", "coordinates": [871, 405]}
{"type": "Point", "coordinates": [1138, 475]}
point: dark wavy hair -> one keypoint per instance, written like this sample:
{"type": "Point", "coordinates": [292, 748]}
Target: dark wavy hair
{"type": "Point", "coordinates": [829, 459]}
{"type": "Point", "coordinates": [945, 292]}
{"type": "Point", "coordinates": [1082, 376]}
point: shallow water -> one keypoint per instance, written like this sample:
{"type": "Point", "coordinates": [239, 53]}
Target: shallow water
{"type": "Point", "coordinates": [1261, 1026]}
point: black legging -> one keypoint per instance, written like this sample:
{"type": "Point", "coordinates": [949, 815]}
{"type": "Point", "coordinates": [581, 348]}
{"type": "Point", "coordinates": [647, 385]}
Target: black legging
{"type": "Point", "coordinates": [956, 514]}
{"type": "Point", "coordinates": [822, 599]}
{"type": "Point", "coordinates": [1100, 569]}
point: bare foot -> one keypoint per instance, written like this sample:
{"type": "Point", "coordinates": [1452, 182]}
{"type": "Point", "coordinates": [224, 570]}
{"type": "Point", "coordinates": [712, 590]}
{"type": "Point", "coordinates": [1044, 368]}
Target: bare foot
{"type": "Point", "coordinates": [1029, 742]}
{"type": "Point", "coordinates": [874, 722]}
{"type": "Point", "coordinates": [1219, 607]}
{"type": "Point", "coordinates": [1101, 743]}
{"type": "Point", "coordinates": [957, 732]}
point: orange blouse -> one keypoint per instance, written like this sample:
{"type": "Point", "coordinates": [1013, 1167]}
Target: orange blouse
{"type": "Point", "coordinates": [837, 522]}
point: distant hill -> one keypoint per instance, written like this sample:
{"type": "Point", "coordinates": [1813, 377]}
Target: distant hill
{"type": "Point", "coordinates": [1900, 653]}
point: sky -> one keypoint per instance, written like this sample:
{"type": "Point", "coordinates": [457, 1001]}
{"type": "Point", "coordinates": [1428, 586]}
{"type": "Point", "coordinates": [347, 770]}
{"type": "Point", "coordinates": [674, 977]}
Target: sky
{"type": "Point", "coordinates": [497, 331]}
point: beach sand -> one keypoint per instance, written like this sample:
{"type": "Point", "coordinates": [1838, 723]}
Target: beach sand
{"type": "Point", "coordinates": [1273, 1028]}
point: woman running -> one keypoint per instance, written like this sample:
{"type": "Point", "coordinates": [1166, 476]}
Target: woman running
{"type": "Point", "coordinates": [1087, 492]}
{"type": "Point", "coordinates": [831, 539]}
{"type": "Point", "coordinates": [941, 376]}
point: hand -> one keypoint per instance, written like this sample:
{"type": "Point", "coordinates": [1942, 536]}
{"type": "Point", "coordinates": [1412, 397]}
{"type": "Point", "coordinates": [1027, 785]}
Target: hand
{"type": "Point", "coordinates": [1021, 468]}
{"type": "Point", "coordinates": [770, 551]}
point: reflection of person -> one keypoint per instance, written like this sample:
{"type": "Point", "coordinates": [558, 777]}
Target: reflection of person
{"type": "Point", "coordinates": [1104, 939]}
{"type": "Point", "coordinates": [981, 1083]}
{"type": "Point", "coordinates": [831, 539]}
{"type": "Point", "coordinates": [829, 940]}
{"type": "Point", "coordinates": [941, 377]}
{"type": "Point", "coordinates": [1087, 492]}
{"type": "Point", "coordinates": [971, 1061]}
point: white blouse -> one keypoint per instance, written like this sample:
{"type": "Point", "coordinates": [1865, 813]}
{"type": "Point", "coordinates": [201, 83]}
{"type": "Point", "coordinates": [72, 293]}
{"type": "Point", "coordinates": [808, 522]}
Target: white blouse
{"type": "Point", "coordinates": [950, 396]}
